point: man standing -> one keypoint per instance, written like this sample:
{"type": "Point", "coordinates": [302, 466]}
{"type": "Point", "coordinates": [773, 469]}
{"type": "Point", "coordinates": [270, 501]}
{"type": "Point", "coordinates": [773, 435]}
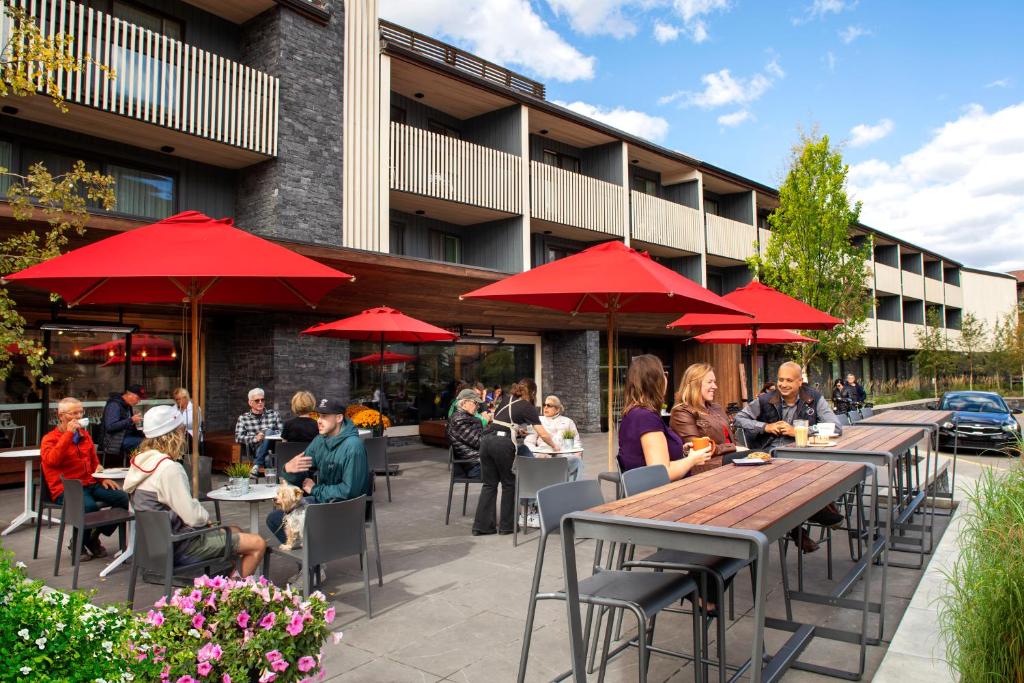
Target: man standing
{"type": "Point", "coordinates": [69, 452]}
{"type": "Point", "coordinates": [855, 393]}
{"type": "Point", "coordinates": [252, 428]}
{"type": "Point", "coordinates": [464, 431]}
{"type": "Point", "coordinates": [184, 403]}
{"type": "Point", "coordinates": [121, 423]}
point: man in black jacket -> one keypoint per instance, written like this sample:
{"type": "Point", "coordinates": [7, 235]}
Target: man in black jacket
{"type": "Point", "coordinates": [121, 433]}
{"type": "Point", "coordinates": [464, 431]}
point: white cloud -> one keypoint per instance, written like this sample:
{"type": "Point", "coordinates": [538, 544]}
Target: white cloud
{"type": "Point", "coordinates": [830, 61]}
{"type": "Point", "coordinates": [864, 134]}
{"type": "Point", "coordinates": [508, 32]}
{"type": "Point", "coordinates": [632, 121]}
{"type": "Point", "coordinates": [852, 33]}
{"type": "Point", "coordinates": [665, 33]}
{"type": "Point", "coordinates": [597, 17]}
{"type": "Point", "coordinates": [818, 9]}
{"type": "Point", "coordinates": [722, 88]}
{"type": "Point", "coordinates": [692, 12]}
{"type": "Point", "coordinates": [735, 118]}
{"type": "Point", "coordinates": [1001, 83]}
{"type": "Point", "coordinates": [961, 193]}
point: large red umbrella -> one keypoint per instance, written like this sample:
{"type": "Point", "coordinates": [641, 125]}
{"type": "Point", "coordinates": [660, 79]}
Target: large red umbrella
{"type": "Point", "coordinates": [610, 279]}
{"type": "Point", "coordinates": [381, 324]}
{"type": "Point", "coordinates": [190, 258]}
{"type": "Point", "coordinates": [746, 337]}
{"type": "Point", "coordinates": [772, 310]}
{"type": "Point", "coordinates": [387, 358]}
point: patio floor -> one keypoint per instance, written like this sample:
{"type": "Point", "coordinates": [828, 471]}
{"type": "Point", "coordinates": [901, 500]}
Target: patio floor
{"type": "Point", "coordinates": [453, 605]}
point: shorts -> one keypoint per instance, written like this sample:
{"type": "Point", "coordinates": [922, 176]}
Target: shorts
{"type": "Point", "coordinates": [207, 547]}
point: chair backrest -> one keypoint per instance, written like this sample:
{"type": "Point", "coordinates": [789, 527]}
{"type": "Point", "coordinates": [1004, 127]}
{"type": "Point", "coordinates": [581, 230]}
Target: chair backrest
{"type": "Point", "coordinates": [286, 450]}
{"type": "Point", "coordinates": [854, 416]}
{"type": "Point", "coordinates": [844, 419]}
{"type": "Point", "coordinates": [533, 474]}
{"type": "Point", "coordinates": [152, 540]}
{"type": "Point", "coordinates": [6, 420]}
{"type": "Point", "coordinates": [334, 530]}
{"type": "Point", "coordinates": [644, 478]}
{"type": "Point", "coordinates": [741, 437]}
{"type": "Point", "coordinates": [74, 503]}
{"type": "Point", "coordinates": [45, 497]}
{"type": "Point", "coordinates": [376, 453]}
{"type": "Point", "coordinates": [558, 500]}
{"type": "Point", "coordinates": [867, 411]}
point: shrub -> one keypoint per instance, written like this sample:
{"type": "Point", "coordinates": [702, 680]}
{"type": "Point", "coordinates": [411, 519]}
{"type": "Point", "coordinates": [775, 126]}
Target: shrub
{"type": "Point", "coordinates": [982, 614]}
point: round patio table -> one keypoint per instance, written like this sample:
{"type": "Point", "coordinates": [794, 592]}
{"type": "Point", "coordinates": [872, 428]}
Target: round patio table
{"type": "Point", "coordinates": [118, 474]}
{"type": "Point", "coordinates": [27, 513]}
{"type": "Point", "coordinates": [256, 495]}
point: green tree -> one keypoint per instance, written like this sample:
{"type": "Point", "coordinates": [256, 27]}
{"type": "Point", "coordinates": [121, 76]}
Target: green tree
{"type": "Point", "coordinates": [973, 335]}
{"type": "Point", "coordinates": [811, 254]}
{"type": "Point", "coordinates": [933, 357]}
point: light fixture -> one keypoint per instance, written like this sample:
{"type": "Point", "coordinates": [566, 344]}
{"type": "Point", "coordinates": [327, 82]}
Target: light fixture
{"type": "Point", "coordinates": [418, 96]}
{"type": "Point", "coordinates": [166, 149]}
{"type": "Point", "coordinates": [174, 354]}
{"type": "Point", "coordinates": [110, 353]}
{"type": "Point", "coordinates": [543, 131]}
{"type": "Point", "coordinates": [76, 353]}
{"type": "Point", "coordinates": [635, 161]}
{"type": "Point", "coordinates": [59, 327]}
{"type": "Point", "coordinates": [144, 354]}
{"type": "Point", "coordinates": [478, 338]}
{"type": "Point", "coordinates": [547, 232]}
{"type": "Point", "coordinates": [420, 212]}
{"type": "Point", "coordinates": [8, 109]}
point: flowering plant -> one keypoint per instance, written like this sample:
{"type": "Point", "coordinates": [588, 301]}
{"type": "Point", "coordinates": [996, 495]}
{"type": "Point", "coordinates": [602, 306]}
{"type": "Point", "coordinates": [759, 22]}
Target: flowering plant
{"type": "Point", "coordinates": [368, 418]}
{"type": "Point", "coordinates": [354, 409]}
{"type": "Point", "coordinates": [234, 630]}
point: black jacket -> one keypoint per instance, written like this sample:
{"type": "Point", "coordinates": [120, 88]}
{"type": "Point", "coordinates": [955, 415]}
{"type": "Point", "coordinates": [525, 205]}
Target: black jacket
{"type": "Point", "coordinates": [771, 411]}
{"type": "Point", "coordinates": [117, 423]}
{"type": "Point", "coordinates": [464, 432]}
{"type": "Point", "coordinates": [854, 392]}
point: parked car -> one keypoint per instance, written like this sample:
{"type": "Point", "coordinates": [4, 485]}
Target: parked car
{"type": "Point", "coordinates": [981, 420]}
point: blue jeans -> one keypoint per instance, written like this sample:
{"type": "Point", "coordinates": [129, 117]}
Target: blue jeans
{"type": "Point", "coordinates": [130, 443]}
{"type": "Point", "coordinates": [95, 497]}
{"type": "Point", "coordinates": [260, 459]}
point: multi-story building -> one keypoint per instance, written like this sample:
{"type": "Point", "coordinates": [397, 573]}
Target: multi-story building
{"type": "Point", "coordinates": [422, 169]}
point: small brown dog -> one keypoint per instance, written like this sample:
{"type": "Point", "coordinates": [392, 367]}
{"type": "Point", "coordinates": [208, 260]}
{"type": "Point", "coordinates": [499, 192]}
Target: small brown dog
{"type": "Point", "coordinates": [289, 500]}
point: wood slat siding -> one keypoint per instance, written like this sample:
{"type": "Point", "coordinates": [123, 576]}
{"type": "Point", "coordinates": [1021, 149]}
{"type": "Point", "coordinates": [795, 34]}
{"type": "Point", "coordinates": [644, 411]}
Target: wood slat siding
{"type": "Point", "coordinates": [658, 221]}
{"type": "Point", "coordinates": [890, 334]}
{"type": "Point", "coordinates": [762, 240]}
{"type": "Point", "coordinates": [913, 285]}
{"type": "Point", "coordinates": [729, 238]}
{"type": "Point", "coordinates": [569, 198]}
{"type": "Point", "coordinates": [440, 166]}
{"type": "Point", "coordinates": [954, 296]}
{"type": "Point", "coordinates": [887, 279]}
{"type": "Point", "coordinates": [933, 291]}
{"type": "Point", "coordinates": [159, 80]}
{"type": "Point", "coordinates": [910, 335]}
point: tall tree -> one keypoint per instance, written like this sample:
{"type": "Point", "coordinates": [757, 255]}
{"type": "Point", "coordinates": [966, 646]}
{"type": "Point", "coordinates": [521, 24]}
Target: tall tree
{"type": "Point", "coordinates": [933, 357]}
{"type": "Point", "coordinates": [973, 335]}
{"type": "Point", "coordinates": [811, 254]}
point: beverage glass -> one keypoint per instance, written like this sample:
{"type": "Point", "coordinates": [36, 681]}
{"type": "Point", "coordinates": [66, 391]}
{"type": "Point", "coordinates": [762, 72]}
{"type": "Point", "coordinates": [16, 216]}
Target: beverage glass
{"type": "Point", "coordinates": [800, 429]}
{"type": "Point", "coordinates": [271, 474]}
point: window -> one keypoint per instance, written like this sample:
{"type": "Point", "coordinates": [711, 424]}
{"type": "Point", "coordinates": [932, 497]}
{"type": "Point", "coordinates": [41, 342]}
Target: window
{"type": "Point", "coordinates": [6, 161]}
{"type": "Point", "coordinates": [645, 185]}
{"type": "Point", "coordinates": [711, 206]}
{"type": "Point", "coordinates": [397, 114]}
{"type": "Point", "coordinates": [442, 129]}
{"type": "Point", "coordinates": [555, 252]}
{"type": "Point", "coordinates": [445, 247]}
{"type": "Point", "coordinates": [563, 161]}
{"type": "Point", "coordinates": [140, 193]}
{"type": "Point", "coordinates": [397, 237]}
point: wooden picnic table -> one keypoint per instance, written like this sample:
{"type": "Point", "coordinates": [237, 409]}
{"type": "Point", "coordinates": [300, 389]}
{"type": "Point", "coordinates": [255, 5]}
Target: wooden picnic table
{"type": "Point", "coordinates": [929, 419]}
{"type": "Point", "coordinates": [734, 512]}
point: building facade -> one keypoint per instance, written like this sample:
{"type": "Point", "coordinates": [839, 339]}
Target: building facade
{"type": "Point", "coordinates": [423, 170]}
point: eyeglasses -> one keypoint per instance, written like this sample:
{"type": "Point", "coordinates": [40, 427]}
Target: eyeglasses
{"type": "Point", "coordinates": [259, 400]}
{"type": "Point", "coordinates": [550, 405]}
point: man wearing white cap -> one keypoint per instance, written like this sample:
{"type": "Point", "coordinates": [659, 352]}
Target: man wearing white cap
{"type": "Point", "coordinates": [157, 481]}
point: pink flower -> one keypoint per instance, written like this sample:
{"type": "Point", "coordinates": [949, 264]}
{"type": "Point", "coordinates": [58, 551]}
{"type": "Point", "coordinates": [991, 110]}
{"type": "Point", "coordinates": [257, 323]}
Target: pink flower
{"type": "Point", "coordinates": [306, 663]}
{"type": "Point", "coordinates": [279, 665]}
{"type": "Point", "coordinates": [198, 621]}
{"type": "Point", "coordinates": [155, 618]}
{"type": "Point", "coordinates": [187, 679]}
{"type": "Point", "coordinates": [242, 619]}
{"type": "Point", "coordinates": [187, 606]}
{"type": "Point", "coordinates": [196, 595]}
{"type": "Point", "coordinates": [267, 622]}
{"type": "Point", "coordinates": [268, 677]}
{"type": "Point", "coordinates": [329, 615]}
{"type": "Point", "coordinates": [216, 652]}
{"type": "Point", "coordinates": [225, 679]}
{"type": "Point", "coordinates": [247, 636]}
{"type": "Point", "coordinates": [161, 603]}
{"type": "Point", "coordinates": [208, 652]}
{"type": "Point", "coordinates": [165, 673]}
{"type": "Point", "coordinates": [204, 668]}
{"type": "Point", "coordinates": [274, 655]}
{"type": "Point", "coordinates": [294, 628]}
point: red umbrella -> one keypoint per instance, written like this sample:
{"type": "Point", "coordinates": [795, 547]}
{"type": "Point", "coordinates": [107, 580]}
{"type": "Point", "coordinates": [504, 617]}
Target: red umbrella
{"type": "Point", "coordinates": [387, 358]}
{"type": "Point", "coordinates": [609, 278]}
{"type": "Point", "coordinates": [746, 337]}
{"type": "Point", "coordinates": [382, 325]}
{"type": "Point", "coordinates": [772, 310]}
{"type": "Point", "coordinates": [190, 258]}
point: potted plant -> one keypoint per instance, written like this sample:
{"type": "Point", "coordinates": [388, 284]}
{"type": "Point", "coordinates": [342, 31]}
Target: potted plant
{"type": "Point", "coordinates": [238, 477]}
{"type": "Point", "coordinates": [568, 439]}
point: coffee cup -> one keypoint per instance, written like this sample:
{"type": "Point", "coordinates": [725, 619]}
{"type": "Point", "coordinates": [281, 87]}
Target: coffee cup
{"type": "Point", "coordinates": [701, 442]}
{"type": "Point", "coordinates": [83, 422]}
{"type": "Point", "coordinates": [826, 429]}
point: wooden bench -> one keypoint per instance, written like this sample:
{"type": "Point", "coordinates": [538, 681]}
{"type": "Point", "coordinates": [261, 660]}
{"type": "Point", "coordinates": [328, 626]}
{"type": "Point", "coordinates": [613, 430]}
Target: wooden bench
{"type": "Point", "coordinates": [434, 433]}
{"type": "Point", "coordinates": [222, 448]}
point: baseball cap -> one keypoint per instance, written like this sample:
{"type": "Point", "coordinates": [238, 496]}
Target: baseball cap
{"type": "Point", "coordinates": [161, 420]}
{"type": "Point", "coordinates": [468, 395]}
{"type": "Point", "coordinates": [138, 390]}
{"type": "Point", "coordinates": [330, 406]}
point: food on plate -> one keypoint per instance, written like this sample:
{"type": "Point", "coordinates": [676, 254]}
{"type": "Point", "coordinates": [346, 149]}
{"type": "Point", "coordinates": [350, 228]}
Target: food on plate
{"type": "Point", "coordinates": [759, 455]}
{"type": "Point", "coordinates": [819, 441]}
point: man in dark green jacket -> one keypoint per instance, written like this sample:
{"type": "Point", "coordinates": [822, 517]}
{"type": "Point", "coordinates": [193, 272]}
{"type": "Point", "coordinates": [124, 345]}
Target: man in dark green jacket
{"type": "Point", "coordinates": [338, 459]}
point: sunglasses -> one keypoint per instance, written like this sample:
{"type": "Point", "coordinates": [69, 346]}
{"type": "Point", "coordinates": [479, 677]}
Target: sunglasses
{"type": "Point", "coordinates": [259, 400]}
{"type": "Point", "coordinates": [550, 405]}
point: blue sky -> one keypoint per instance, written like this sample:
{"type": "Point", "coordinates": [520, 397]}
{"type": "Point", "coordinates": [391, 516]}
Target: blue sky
{"type": "Point", "coordinates": [928, 97]}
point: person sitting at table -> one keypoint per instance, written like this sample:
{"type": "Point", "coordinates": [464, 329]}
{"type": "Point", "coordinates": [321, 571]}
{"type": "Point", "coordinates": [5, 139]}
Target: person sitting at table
{"type": "Point", "coordinates": [557, 424]}
{"type": "Point", "coordinates": [464, 431]}
{"type": "Point", "coordinates": [768, 421]}
{"type": "Point", "coordinates": [301, 428]}
{"type": "Point", "coordinates": [68, 452]}
{"type": "Point", "coordinates": [121, 433]}
{"type": "Point", "coordinates": [184, 402]}
{"type": "Point", "coordinates": [696, 415]}
{"type": "Point", "coordinates": [643, 437]}
{"type": "Point", "coordinates": [252, 428]}
{"type": "Point", "coordinates": [157, 481]}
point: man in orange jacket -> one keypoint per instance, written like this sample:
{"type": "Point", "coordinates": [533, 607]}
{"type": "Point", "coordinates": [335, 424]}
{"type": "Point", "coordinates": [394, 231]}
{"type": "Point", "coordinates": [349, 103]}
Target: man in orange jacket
{"type": "Point", "coordinates": [68, 452]}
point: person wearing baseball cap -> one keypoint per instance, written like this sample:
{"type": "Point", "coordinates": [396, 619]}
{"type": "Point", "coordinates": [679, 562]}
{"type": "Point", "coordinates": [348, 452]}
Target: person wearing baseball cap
{"type": "Point", "coordinates": [157, 481]}
{"type": "Point", "coordinates": [121, 434]}
{"type": "Point", "coordinates": [337, 455]}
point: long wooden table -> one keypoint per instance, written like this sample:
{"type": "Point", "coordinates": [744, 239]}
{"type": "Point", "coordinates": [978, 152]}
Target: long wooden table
{"type": "Point", "coordinates": [731, 512]}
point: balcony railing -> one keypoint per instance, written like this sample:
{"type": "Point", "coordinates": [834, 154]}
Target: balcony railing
{"type": "Point", "coordinates": [954, 296]}
{"type": "Point", "coordinates": [890, 334]}
{"type": "Point", "coordinates": [933, 291]}
{"type": "Point", "coordinates": [657, 221]}
{"type": "Point", "coordinates": [158, 80]}
{"type": "Point", "coordinates": [762, 240]}
{"type": "Point", "coordinates": [913, 285]}
{"type": "Point", "coordinates": [441, 166]}
{"type": "Point", "coordinates": [729, 238]}
{"type": "Point", "coordinates": [910, 333]}
{"type": "Point", "coordinates": [870, 333]}
{"type": "Point", "coordinates": [569, 198]}
{"type": "Point", "coordinates": [887, 279]}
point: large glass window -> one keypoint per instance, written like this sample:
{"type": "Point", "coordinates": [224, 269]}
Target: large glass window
{"type": "Point", "coordinates": [445, 247]}
{"type": "Point", "coordinates": [140, 193]}
{"type": "Point", "coordinates": [6, 162]}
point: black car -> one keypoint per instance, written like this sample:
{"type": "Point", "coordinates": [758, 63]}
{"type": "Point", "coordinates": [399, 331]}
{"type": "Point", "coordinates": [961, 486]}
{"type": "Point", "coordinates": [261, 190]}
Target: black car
{"type": "Point", "coordinates": [981, 420]}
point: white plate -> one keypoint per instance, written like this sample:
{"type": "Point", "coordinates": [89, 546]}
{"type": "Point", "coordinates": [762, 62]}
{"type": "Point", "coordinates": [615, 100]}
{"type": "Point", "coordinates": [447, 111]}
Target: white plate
{"type": "Point", "coordinates": [113, 470]}
{"type": "Point", "coordinates": [830, 444]}
{"type": "Point", "coordinates": [750, 461]}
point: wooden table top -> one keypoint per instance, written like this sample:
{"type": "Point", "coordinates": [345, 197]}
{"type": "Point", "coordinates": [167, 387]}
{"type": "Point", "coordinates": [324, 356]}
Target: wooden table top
{"type": "Point", "coordinates": [929, 418]}
{"type": "Point", "coordinates": [753, 498]}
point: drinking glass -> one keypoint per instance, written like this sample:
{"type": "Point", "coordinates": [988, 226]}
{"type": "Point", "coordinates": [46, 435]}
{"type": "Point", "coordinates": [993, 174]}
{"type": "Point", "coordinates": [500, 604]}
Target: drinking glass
{"type": "Point", "coordinates": [271, 474]}
{"type": "Point", "coordinates": [800, 429]}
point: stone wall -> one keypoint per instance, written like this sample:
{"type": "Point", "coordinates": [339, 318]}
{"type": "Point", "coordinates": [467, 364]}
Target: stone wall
{"type": "Point", "coordinates": [570, 366]}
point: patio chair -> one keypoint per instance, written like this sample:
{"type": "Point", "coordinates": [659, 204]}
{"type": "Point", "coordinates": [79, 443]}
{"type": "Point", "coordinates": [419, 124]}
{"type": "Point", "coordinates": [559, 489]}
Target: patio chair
{"type": "Point", "coordinates": [867, 411]}
{"type": "Point", "coordinates": [333, 531]}
{"type": "Point", "coordinates": [205, 481]}
{"type": "Point", "coordinates": [73, 514]}
{"type": "Point", "coordinates": [533, 474]}
{"type": "Point", "coordinates": [370, 520]}
{"type": "Point", "coordinates": [457, 477]}
{"type": "Point", "coordinates": [843, 418]}
{"type": "Point", "coordinates": [154, 553]}
{"type": "Point", "coordinates": [855, 416]}
{"type": "Point", "coordinates": [44, 501]}
{"type": "Point", "coordinates": [377, 459]}
{"type": "Point", "coordinates": [644, 594]}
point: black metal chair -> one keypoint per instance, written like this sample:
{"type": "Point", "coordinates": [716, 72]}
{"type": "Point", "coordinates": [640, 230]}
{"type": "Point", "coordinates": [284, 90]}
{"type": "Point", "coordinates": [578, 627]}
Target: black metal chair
{"type": "Point", "coordinates": [533, 474]}
{"type": "Point", "coordinates": [855, 416]}
{"type": "Point", "coordinates": [377, 459]}
{"type": "Point", "coordinates": [457, 477]}
{"type": "Point", "coordinates": [286, 450]}
{"type": "Point", "coordinates": [867, 411]}
{"type": "Point", "coordinates": [205, 481]}
{"type": "Point", "coordinates": [843, 418]}
{"type": "Point", "coordinates": [73, 514]}
{"type": "Point", "coordinates": [154, 553]}
{"type": "Point", "coordinates": [44, 501]}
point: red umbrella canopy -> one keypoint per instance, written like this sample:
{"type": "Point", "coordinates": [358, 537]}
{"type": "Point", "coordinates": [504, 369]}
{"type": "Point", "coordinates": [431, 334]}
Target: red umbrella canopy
{"type": "Point", "coordinates": [609, 275]}
{"type": "Point", "coordinates": [746, 337]}
{"type": "Point", "coordinates": [387, 358]}
{"type": "Point", "coordinates": [771, 308]}
{"type": "Point", "coordinates": [381, 324]}
{"type": "Point", "coordinates": [157, 263]}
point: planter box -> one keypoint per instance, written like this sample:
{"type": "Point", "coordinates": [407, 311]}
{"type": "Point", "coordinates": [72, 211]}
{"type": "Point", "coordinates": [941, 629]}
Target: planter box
{"type": "Point", "coordinates": [432, 433]}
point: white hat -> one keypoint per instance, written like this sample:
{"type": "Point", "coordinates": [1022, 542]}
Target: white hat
{"type": "Point", "coordinates": [161, 420]}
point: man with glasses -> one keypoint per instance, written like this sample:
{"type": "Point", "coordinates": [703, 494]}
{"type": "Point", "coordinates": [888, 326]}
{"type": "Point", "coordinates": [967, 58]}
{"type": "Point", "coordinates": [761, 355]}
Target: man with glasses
{"type": "Point", "coordinates": [253, 427]}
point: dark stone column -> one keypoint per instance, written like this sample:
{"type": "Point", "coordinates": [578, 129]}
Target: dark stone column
{"type": "Point", "coordinates": [570, 366]}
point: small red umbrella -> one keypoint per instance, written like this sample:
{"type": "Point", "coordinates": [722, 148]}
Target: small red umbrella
{"type": "Point", "coordinates": [140, 342]}
{"type": "Point", "coordinates": [746, 337]}
{"type": "Point", "coordinates": [381, 324]}
{"type": "Point", "coordinates": [387, 358]}
{"type": "Point", "coordinates": [610, 279]}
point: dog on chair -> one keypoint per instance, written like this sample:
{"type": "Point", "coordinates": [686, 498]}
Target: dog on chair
{"type": "Point", "coordinates": [289, 501]}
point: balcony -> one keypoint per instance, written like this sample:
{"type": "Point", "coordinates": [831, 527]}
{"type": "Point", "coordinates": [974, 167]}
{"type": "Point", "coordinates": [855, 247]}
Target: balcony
{"type": "Point", "coordinates": [933, 291]}
{"type": "Point", "coordinates": [166, 93]}
{"type": "Point", "coordinates": [954, 296]}
{"type": "Point", "coordinates": [574, 199]}
{"type": "Point", "coordinates": [443, 167]}
{"type": "Point", "coordinates": [953, 337]}
{"type": "Point", "coordinates": [730, 239]}
{"type": "Point", "coordinates": [887, 279]}
{"type": "Point", "coordinates": [890, 334]}
{"type": "Point", "coordinates": [870, 333]}
{"type": "Point", "coordinates": [668, 224]}
{"type": "Point", "coordinates": [913, 285]}
{"type": "Point", "coordinates": [762, 240]}
{"type": "Point", "coordinates": [910, 334]}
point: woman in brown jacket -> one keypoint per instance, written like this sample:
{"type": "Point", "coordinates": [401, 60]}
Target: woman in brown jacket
{"type": "Point", "coordinates": [695, 414]}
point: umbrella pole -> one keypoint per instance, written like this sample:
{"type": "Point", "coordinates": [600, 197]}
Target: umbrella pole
{"type": "Point", "coordinates": [195, 386]}
{"type": "Point", "coordinates": [611, 387]}
{"type": "Point", "coordinates": [754, 386]}
{"type": "Point", "coordinates": [380, 398]}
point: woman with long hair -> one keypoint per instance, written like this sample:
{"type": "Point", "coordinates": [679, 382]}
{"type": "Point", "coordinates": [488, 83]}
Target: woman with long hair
{"type": "Point", "coordinates": [696, 415]}
{"type": "Point", "coordinates": [643, 437]}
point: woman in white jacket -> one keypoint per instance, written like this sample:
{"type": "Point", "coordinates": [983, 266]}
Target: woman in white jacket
{"type": "Point", "coordinates": [157, 481]}
{"type": "Point", "coordinates": [558, 424]}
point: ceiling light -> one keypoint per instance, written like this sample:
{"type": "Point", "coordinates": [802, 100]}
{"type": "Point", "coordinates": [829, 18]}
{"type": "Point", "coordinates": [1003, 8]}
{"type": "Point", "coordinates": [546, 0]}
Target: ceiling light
{"type": "Point", "coordinates": [543, 131]}
{"type": "Point", "coordinates": [547, 232]}
{"type": "Point", "coordinates": [8, 109]}
{"type": "Point", "coordinates": [420, 212]}
{"type": "Point", "coordinates": [166, 149]}
{"type": "Point", "coordinates": [418, 96]}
